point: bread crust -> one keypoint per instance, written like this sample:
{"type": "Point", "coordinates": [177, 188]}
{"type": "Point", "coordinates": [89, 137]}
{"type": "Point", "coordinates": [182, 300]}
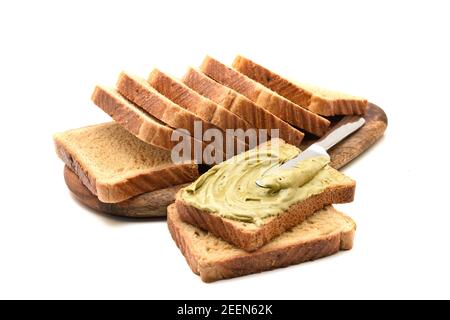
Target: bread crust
{"type": "Point", "coordinates": [332, 107]}
{"type": "Point", "coordinates": [266, 98]}
{"type": "Point", "coordinates": [264, 259]}
{"type": "Point", "coordinates": [142, 94]}
{"type": "Point", "coordinates": [204, 108]}
{"type": "Point", "coordinates": [253, 237]}
{"type": "Point", "coordinates": [240, 105]}
{"type": "Point", "coordinates": [272, 81]}
{"type": "Point", "coordinates": [207, 110]}
{"type": "Point", "coordinates": [141, 124]}
{"type": "Point", "coordinates": [135, 122]}
{"type": "Point", "coordinates": [298, 94]}
{"type": "Point", "coordinates": [150, 180]}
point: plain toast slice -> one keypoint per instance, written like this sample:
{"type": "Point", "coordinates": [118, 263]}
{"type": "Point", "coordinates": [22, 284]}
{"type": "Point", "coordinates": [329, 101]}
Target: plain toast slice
{"type": "Point", "coordinates": [318, 100]}
{"type": "Point", "coordinates": [115, 165]}
{"type": "Point", "coordinates": [330, 103]}
{"type": "Point", "coordinates": [204, 108]}
{"type": "Point", "coordinates": [265, 98]}
{"type": "Point", "coordinates": [323, 234]}
{"type": "Point", "coordinates": [240, 105]}
{"type": "Point", "coordinates": [134, 119]}
{"type": "Point", "coordinates": [140, 92]}
{"type": "Point", "coordinates": [145, 126]}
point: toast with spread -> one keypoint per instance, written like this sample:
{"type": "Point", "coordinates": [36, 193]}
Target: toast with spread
{"type": "Point", "coordinates": [227, 202]}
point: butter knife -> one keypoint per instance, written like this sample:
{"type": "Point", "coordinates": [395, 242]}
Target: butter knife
{"type": "Point", "coordinates": [319, 148]}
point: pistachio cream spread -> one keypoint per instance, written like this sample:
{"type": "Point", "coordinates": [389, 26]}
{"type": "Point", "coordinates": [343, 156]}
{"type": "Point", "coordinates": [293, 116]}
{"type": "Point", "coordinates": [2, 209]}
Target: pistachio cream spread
{"type": "Point", "coordinates": [229, 189]}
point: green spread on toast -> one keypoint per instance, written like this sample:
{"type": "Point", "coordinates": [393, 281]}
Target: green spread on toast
{"type": "Point", "coordinates": [296, 176]}
{"type": "Point", "coordinates": [229, 189]}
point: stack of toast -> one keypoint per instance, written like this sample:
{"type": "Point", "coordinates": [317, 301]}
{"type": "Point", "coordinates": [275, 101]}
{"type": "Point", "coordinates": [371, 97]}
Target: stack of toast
{"type": "Point", "coordinates": [131, 156]}
{"type": "Point", "coordinates": [217, 246]}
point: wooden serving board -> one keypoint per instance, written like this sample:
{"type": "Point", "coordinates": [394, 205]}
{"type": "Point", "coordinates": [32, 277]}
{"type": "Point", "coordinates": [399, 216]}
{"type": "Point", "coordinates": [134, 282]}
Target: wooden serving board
{"type": "Point", "coordinates": [153, 204]}
{"type": "Point", "coordinates": [150, 204]}
{"type": "Point", "coordinates": [354, 145]}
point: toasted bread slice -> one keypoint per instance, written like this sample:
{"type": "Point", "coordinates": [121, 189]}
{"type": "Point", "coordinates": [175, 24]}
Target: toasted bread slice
{"type": "Point", "coordinates": [330, 103]}
{"type": "Point", "coordinates": [250, 235]}
{"type": "Point", "coordinates": [204, 108]}
{"type": "Point", "coordinates": [137, 121]}
{"type": "Point", "coordinates": [265, 98]}
{"type": "Point", "coordinates": [115, 165]}
{"type": "Point", "coordinates": [318, 100]}
{"type": "Point", "coordinates": [323, 234]}
{"type": "Point", "coordinates": [145, 126]}
{"type": "Point", "coordinates": [240, 105]}
{"type": "Point", "coordinates": [140, 92]}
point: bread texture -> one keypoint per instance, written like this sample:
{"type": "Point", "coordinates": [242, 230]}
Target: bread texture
{"type": "Point", "coordinates": [323, 234]}
{"type": "Point", "coordinates": [115, 165]}
{"type": "Point", "coordinates": [330, 103]}
{"type": "Point", "coordinates": [265, 98]}
{"type": "Point", "coordinates": [318, 100]}
{"type": "Point", "coordinates": [204, 108]}
{"type": "Point", "coordinates": [140, 92]}
{"type": "Point", "coordinates": [148, 128]}
{"type": "Point", "coordinates": [141, 124]}
{"type": "Point", "coordinates": [240, 105]}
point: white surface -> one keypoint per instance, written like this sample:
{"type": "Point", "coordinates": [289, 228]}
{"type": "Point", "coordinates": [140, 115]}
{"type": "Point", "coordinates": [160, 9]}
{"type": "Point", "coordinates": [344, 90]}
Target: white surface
{"type": "Point", "coordinates": [53, 53]}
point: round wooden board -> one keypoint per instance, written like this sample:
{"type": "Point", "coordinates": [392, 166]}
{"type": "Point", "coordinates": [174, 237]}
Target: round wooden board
{"type": "Point", "coordinates": [150, 204]}
{"type": "Point", "coordinates": [154, 204]}
{"type": "Point", "coordinates": [354, 145]}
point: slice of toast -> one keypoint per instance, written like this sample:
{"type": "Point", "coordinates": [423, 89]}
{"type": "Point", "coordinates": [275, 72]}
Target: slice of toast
{"type": "Point", "coordinates": [115, 165]}
{"type": "Point", "coordinates": [330, 103]}
{"type": "Point", "coordinates": [140, 92]}
{"type": "Point", "coordinates": [323, 234]}
{"type": "Point", "coordinates": [134, 119]}
{"type": "Point", "coordinates": [318, 100]}
{"type": "Point", "coordinates": [265, 98]}
{"type": "Point", "coordinates": [250, 234]}
{"type": "Point", "coordinates": [204, 108]}
{"type": "Point", "coordinates": [240, 105]}
{"type": "Point", "coordinates": [145, 126]}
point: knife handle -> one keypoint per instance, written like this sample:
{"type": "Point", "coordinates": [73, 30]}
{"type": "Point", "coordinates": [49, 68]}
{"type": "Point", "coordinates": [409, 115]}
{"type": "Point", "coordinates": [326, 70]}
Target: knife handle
{"type": "Point", "coordinates": [344, 128]}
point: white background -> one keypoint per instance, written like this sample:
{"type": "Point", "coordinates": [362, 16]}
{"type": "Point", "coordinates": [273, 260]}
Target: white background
{"type": "Point", "coordinates": [52, 53]}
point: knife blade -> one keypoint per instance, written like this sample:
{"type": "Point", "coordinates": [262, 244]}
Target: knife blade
{"type": "Point", "coordinates": [319, 148]}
